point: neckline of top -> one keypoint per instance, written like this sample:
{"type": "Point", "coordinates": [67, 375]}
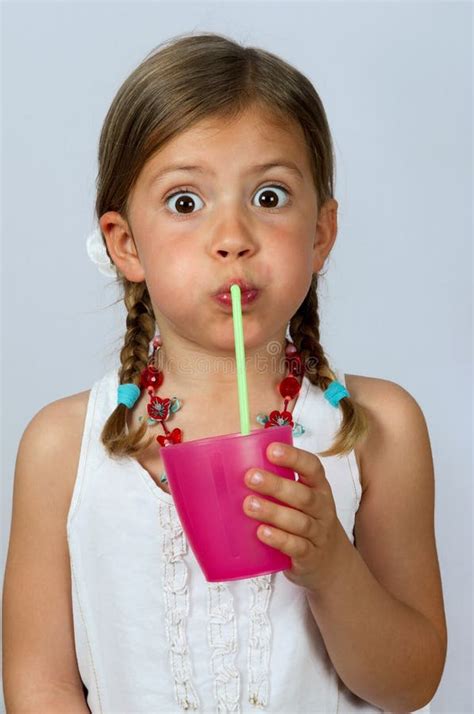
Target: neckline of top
{"type": "Point", "coordinates": [167, 497]}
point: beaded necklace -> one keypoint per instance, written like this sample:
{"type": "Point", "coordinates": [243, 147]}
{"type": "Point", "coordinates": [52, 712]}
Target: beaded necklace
{"type": "Point", "coordinates": [161, 409]}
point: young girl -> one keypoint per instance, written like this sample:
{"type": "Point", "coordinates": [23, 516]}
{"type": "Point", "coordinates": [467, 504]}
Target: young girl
{"type": "Point", "coordinates": [216, 167]}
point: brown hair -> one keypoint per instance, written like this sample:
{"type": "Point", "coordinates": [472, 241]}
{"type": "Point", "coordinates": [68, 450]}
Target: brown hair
{"type": "Point", "coordinates": [183, 81]}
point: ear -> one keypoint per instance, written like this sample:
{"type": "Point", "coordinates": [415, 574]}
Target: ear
{"type": "Point", "coordinates": [326, 232]}
{"type": "Point", "coordinates": [121, 246]}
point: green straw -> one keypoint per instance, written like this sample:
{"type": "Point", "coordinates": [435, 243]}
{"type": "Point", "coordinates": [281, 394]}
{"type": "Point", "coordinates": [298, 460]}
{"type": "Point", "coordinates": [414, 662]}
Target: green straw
{"type": "Point", "coordinates": [240, 360]}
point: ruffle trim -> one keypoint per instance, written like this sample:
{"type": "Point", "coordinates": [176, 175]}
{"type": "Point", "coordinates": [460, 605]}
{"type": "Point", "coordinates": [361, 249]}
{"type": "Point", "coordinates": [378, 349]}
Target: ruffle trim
{"type": "Point", "coordinates": [258, 653]}
{"type": "Point", "coordinates": [222, 638]}
{"type": "Point", "coordinates": [176, 594]}
{"type": "Point", "coordinates": [222, 628]}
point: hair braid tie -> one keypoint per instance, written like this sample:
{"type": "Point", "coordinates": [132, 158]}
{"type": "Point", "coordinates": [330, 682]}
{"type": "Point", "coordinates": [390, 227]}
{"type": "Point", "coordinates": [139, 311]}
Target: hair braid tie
{"type": "Point", "coordinates": [335, 392]}
{"type": "Point", "coordinates": [128, 394]}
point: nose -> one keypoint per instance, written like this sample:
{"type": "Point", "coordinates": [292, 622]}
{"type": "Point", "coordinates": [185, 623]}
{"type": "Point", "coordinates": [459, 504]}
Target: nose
{"type": "Point", "coordinates": [233, 237]}
{"type": "Point", "coordinates": [224, 252]}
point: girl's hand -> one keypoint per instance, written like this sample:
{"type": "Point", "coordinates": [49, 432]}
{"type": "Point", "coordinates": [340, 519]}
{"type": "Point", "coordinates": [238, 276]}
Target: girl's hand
{"type": "Point", "coordinates": [309, 530]}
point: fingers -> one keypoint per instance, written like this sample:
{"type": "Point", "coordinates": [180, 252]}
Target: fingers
{"type": "Point", "coordinates": [299, 549]}
{"type": "Point", "coordinates": [286, 519]}
{"type": "Point", "coordinates": [306, 464]}
{"type": "Point", "coordinates": [308, 499]}
{"type": "Point", "coordinates": [292, 493]}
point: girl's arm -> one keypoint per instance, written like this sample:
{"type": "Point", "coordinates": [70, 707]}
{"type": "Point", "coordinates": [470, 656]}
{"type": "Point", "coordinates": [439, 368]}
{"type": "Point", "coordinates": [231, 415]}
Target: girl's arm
{"type": "Point", "coordinates": [382, 619]}
{"type": "Point", "coordinates": [40, 671]}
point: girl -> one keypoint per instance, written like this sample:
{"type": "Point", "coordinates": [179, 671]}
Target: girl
{"type": "Point", "coordinates": [216, 167]}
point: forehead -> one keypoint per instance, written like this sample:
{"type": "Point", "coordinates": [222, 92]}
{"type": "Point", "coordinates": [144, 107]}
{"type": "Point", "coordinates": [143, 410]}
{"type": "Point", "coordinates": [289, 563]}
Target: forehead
{"type": "Point", "coordinates": [252, 136]}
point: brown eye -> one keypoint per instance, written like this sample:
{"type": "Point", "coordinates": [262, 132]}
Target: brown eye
{"type": "Point", "coordinates": [269, 197]}
{"type": "Point", "coordinates": [182, 202]}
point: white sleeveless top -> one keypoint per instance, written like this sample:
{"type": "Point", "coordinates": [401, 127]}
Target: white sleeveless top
{"type": "Point", "coordinates": [151, 634]}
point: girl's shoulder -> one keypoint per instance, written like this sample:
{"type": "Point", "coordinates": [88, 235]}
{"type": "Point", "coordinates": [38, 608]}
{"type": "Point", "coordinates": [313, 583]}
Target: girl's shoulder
{"type": "Point", "coordinates": [368, 392]}
{"type": "Point", "coordinates": [63, 420]}
{"type": "Point", "coordinates": [74, 410]}
{"type": "Point", "coordinates": [386, 404]}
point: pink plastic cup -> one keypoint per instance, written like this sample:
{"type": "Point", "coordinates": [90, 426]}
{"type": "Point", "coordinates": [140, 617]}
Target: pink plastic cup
{"type": "Point", "coordinates": [206, 478]}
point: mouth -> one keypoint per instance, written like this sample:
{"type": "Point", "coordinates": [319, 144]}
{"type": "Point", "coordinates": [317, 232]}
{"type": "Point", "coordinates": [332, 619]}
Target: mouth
{"type": "Point", "coordinates": [248, 293]}
{"type": "Point", "coordinates": [246, 298]}
{"type": "Point", "coordinates": [243, 285]}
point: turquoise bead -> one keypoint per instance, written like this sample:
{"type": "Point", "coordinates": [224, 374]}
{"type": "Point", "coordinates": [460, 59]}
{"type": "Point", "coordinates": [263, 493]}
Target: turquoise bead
{"type": "Point", "coordinates": [298, 430]}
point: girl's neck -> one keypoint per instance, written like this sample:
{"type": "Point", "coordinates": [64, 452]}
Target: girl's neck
{"type": "Point", "coordinates": [196, 373]}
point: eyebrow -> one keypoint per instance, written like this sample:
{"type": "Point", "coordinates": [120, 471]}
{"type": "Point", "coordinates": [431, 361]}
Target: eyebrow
{"type": "Point", "coordinates": [258, 168]}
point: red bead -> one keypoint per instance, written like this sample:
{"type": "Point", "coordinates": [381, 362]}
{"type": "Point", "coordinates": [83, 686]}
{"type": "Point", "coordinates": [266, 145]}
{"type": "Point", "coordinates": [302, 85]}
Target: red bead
{"type": "Point", "coordinates": [287, 416]}
{"type": "Point", "coordinates": [151, 377]}
{"type": "Point", "coordinates": [176, 435]}
{"type": "Point", "coordinates": [289, 387]}
{"type": "Point", "coordinates": [158, 409]}
{"type": "Point", "coordinates": [290, 349]}
{"type": "Point", "coordinates": [173, 437]}
{"type": "Point", "coordinates": [294, 365]}
{"type": "Point", "coordinates": [279, 419]}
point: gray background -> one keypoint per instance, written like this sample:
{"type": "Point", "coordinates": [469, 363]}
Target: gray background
{"type": "Point", "coordinates": [396, 82]}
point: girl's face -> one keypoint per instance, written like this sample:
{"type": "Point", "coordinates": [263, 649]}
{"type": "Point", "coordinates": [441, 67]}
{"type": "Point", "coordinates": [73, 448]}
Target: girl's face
{"type": "Point", "coordinates": [225, 216]}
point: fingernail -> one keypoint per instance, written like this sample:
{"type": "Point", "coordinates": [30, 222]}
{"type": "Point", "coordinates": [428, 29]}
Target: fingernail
{"type": "Point", "coordinates": [256, 477]}
{"type": "Point", "coordinates": [277, 451]}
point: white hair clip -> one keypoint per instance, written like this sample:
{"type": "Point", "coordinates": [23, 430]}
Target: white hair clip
{"type": "Point", "coordinates": [98, 254]}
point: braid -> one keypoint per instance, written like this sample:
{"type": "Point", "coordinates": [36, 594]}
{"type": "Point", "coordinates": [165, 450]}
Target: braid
{"type": "Point", "coordinates": [304, 332]}
{"type": "Point", "coordinates": [141, 325]}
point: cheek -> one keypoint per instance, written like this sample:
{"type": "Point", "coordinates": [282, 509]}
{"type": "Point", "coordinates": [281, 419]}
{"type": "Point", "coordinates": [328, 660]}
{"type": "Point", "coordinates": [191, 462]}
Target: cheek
{"type": "Point", "coordinates": [294, 269]}
{"type": "Point", "coordinates": [169, 302]}
{"type": "Point", "coordinates": [171, 265]}
{"type": "Point", "coordinates": [175, 282]}
{"type": "Point", "coordinates": [295, 255]}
